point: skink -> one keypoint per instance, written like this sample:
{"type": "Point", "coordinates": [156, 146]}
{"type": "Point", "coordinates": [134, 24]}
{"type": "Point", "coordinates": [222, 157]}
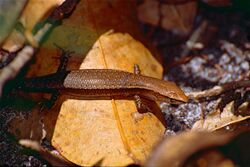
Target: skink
{"type": "Point", "coordinates": [106, 84]}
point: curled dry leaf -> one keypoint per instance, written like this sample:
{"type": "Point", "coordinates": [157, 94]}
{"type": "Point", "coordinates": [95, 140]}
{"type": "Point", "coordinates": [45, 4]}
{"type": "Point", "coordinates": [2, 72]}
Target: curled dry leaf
{"type": "Point", "coordinates": [202, 149]}
{"type": "Point", "coordinates": [90, 130]}
{"type": "Point", "coordinates": [175, 150]}
{"type": "Point", "coordinates": [217, 120]}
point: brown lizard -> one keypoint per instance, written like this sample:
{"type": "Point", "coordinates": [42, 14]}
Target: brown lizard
{"type": "Point", "coordinates": [106, 84]}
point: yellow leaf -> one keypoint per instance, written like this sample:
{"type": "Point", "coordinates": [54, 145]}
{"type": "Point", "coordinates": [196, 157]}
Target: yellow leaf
{"type": "Point", "coordinates": [90, 130]}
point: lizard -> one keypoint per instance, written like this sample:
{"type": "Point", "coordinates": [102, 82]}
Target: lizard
{"type": "Point", "coordinates": [103, 84]}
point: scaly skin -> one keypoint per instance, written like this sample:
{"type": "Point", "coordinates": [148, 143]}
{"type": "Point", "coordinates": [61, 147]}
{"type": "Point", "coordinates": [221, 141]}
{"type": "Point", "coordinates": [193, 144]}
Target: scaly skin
{"type": "Point", "coordinates": [106, 83]}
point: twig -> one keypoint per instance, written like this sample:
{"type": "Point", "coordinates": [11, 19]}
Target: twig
{"type": "Point", "coordinates": [217, 90]}
{"type": "Point", "coordinates": [22, 57]}
{"type": "Point", "coordinates": [191, 43]}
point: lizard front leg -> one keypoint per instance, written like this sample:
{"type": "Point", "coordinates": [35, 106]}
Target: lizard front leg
{"type": "Point", "coordinates": [142, 108]}
{"type": "Point", "coordinates": [145, 105]}
{"type": "Point", "coordinates": [64, 58]}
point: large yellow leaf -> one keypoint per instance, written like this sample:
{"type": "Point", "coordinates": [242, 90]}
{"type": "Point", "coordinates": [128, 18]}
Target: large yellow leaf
{"type": "Point", "coordinates": [88, 131]}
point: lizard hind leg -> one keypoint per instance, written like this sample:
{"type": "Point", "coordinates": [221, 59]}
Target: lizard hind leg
{"type": "Point", "coordinates": [140, 107]}
{"type": "Point", "coordinates": [145, 106]}
{"type": "Point", "coordinates": [137, 69]}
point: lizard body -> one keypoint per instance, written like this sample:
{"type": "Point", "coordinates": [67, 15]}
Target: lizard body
{"type": "Point", "coordinates": [106, 84]}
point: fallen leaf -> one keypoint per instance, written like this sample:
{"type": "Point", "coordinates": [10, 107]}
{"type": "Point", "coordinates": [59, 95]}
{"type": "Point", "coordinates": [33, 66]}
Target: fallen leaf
{"type": "Point", "coordinates": [202, 149]}
{"type": "Point", "coordinates": [217, 120]}
{"type": "Point", "coordinates": [148, 12]}
{"type": "Point", "coordinates": [28, 126]}
{"type": "Point", "coordinates": [88, 131]}
{"type": "Point", "coordinates": [179, 17]}
{"type": "Point", "coordinates": [173, 17]}
{"type": "Point", "coordinates": [209, 158]}
{"type": "Point", "coordinates": [176, 150]}
{"type": "Point", "coordinates": [237, 126]}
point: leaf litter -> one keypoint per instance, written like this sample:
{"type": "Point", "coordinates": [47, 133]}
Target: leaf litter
{"type": "Point", "coordinates": [227, 59]}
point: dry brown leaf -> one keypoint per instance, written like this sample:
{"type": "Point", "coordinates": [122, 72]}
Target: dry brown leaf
{"type": "Point", "coordinates": [28, 126]}
{"type": "Point", "coordinates": [217, 120]}
{"type": "Point", "coordinates": [175, 150]}
{"type": "Point", "coordinates": [202, 149]}
{"type": "Point", "coordinates": [88, 131]}
{"type": "Point", "coordinates": [210, 158]}
{"type": "Point", "coordinates": [174, 17]}
{"type": "Point", "coordinates": [148, 12]}
{"type": "Point", "coordinates": [179, 17]}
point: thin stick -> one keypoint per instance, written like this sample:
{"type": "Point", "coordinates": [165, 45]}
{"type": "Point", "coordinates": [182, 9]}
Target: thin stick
{"type": "Point", "coordinates": [217, 90]}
